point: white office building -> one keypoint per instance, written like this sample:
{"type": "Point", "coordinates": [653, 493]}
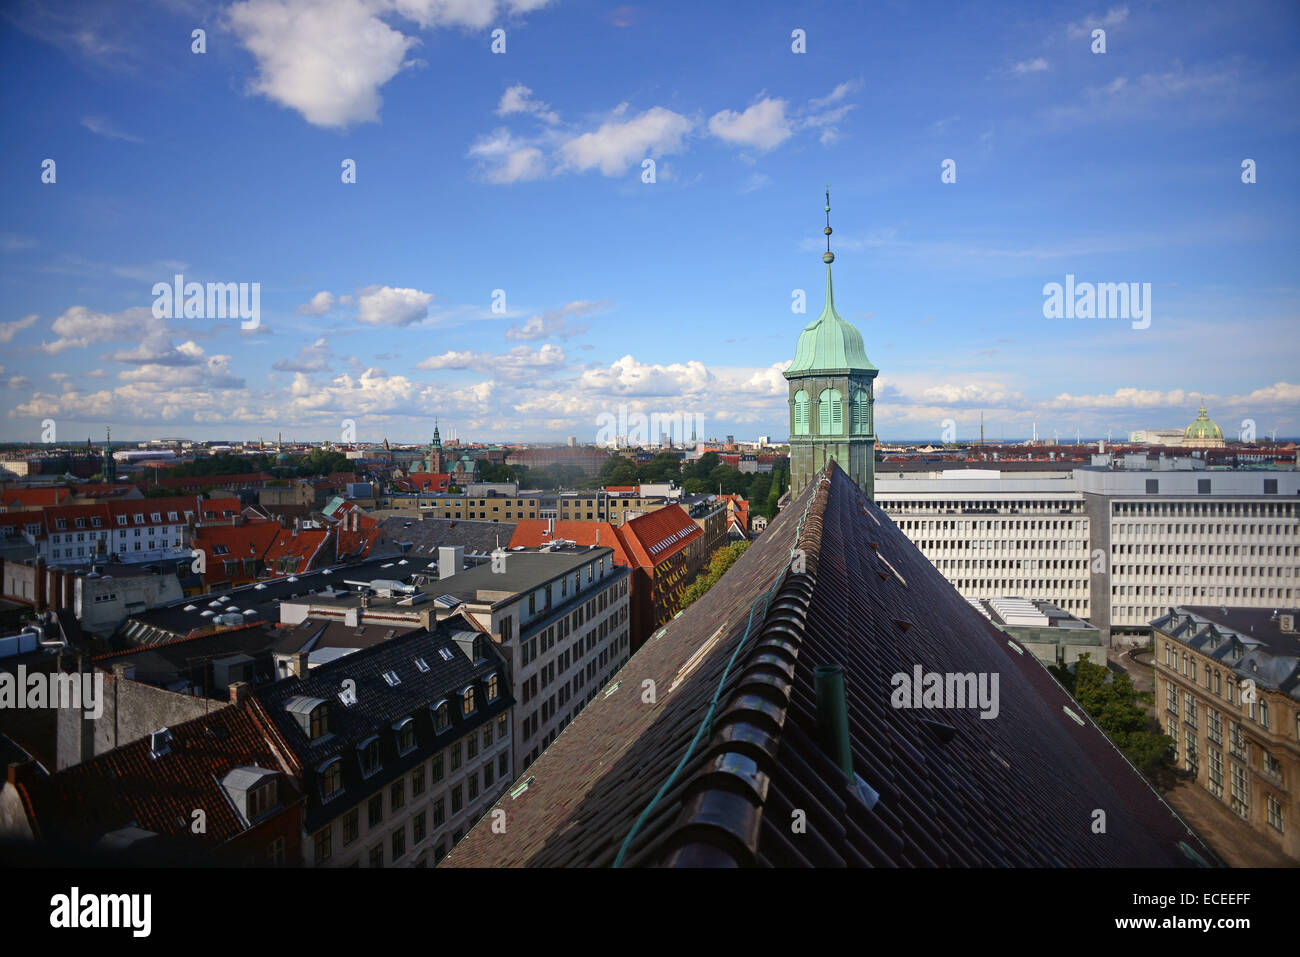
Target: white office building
{"type": "Point", "coordinates": [1114, 546]}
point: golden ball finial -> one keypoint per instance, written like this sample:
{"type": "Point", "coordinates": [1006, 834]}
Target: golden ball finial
{"type": "Point", "coordinates": [828, 257]}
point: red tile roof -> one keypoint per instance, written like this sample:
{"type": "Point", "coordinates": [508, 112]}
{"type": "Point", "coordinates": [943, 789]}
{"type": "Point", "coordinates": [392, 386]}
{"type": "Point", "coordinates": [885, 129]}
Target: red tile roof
{"type": "Point", "coordinates": [307, 545]}
{"type": "Point", "coordinates": [533, 532]}
{"type": "Point", "coordinates": [129, 785]}
{"type": "Point", "coordinates": [33, 497]}
{"type": "Point", "coordinates": [221, 543]}
{"type": "Point", "coordinates": [653, 537]}
{"type": "Point", "coordinates": [429, 481]}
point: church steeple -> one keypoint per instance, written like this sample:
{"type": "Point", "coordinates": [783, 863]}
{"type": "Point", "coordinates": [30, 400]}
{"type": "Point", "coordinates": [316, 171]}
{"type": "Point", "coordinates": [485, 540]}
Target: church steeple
{"type": "Point", "coordinates": [108, 469]}
{"type": "Point", "coordinates": [831, 394]}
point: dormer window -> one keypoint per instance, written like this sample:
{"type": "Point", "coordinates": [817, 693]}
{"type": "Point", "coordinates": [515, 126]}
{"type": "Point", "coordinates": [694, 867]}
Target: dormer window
{"type": "Point", "coordinates": [254, 791]}
{"type": "Point", "coordinates": [493, 688]}
{"type": "Point", "coordinates": [441, 716]}
{"type": "Point", "coordinates": [422, 665]}
{"type": "Point", "coordinates": [467, 701]}
{"type": "Point", "coordinates": [121, 520]}
{"type": "Point", "coordinates": [392, 679]}
{"type": "Point", "coordinates": [368, 754]}
{"type": "Point", "coordinates": [261, 799]}
{"type": "Point", "coordinates": [331, 778]}
{"type": "Point", "coordinates": [405, 735]}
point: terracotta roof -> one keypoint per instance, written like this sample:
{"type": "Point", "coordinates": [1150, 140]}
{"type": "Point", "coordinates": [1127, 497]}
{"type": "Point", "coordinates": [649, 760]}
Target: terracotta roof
{"type": "Point", "coordinates": [683, 782]}
{"type": "Point", "coordinates": [30, 497]}
{"type": "Point", "coordinates": [306, 544]}
{"type": "Point", "coordinates": [129, 785]}
{"type": "Point", "coordinates": [222, 543]}
{"type": "Point", "coordinates": [653, 537]}
{"type": "Point", "coordinates": [429, 481]}
{"type": "Point", "coordinates": [532, 532]}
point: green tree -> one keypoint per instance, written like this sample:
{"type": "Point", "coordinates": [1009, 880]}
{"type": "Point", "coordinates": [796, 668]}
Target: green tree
{"type": "Point", "coordinates": [1120, 710]}
{"type": "Point", "coordinates": [719, 562]}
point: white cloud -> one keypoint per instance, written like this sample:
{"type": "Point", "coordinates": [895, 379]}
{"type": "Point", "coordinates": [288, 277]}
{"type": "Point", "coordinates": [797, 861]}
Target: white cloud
{"type": "Point", "coordinates": [1113, 18]}
{"type": "Point", "coordinates": [102, 126]}
{"type": "Point", "coordinates": [616, 144]}
{"type": "Point", "coordinates": [160, 351]}
{"type": "Point", "coordinates": [1036, 65]}
{"type": "Point", "coordinates": [326, 59]}
{"type": "Point", "coordinates": [318, 305]}
{"type": "Point", "coordinates": [630, 377]}
{"type": "Point", "coordinates": [388, 306]}
{"type": "Point", "coordinates": [312, 358]}
{"type": "Point", "coordinates": [840, 92]}
{"type": "Point", "coordinates": [518, 99]}
{"type": "Point", "coordinates": [555, 323]}
{"type": "Point", "coordinates": [514, 361]}
{"type": "Point", "coordinates": [79, 326]}
{"type": "Point", "coordinates": [763, 125]}
{"type": "Point", "coordinates": [471, 14]}
{"type": "Point", "coordinates": [10, 329]}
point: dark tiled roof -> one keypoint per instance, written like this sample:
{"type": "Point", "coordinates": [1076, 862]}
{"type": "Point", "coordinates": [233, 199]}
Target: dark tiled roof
{"type": "Point", "coordinates": [160, 793]}
{"type": "Point", "coordinates": [380, 705]}
{"type": "Point", "coordinates": [427, 536]}
{"type": "Point", "coordinates": [953, 788]}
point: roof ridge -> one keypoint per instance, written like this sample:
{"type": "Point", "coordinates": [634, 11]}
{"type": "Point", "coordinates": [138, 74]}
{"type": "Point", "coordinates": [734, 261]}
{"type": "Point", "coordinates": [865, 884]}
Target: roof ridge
{"type": "Point", "coordinates": [741, 753]}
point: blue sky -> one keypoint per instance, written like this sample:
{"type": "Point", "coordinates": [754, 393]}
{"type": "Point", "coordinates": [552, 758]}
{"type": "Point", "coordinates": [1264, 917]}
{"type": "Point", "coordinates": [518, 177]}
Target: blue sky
{"type": "Point", "coordinates": [522, 172]}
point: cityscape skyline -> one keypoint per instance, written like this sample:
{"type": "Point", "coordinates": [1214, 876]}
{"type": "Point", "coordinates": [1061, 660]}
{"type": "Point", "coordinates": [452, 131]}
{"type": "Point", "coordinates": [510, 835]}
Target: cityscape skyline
{"type": "Point", "coordinates": [501, 262]}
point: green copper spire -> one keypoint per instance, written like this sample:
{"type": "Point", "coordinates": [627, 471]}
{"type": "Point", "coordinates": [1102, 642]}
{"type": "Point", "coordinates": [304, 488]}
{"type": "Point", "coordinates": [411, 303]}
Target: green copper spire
{"type": "Point", "coordinates": [829, 343]}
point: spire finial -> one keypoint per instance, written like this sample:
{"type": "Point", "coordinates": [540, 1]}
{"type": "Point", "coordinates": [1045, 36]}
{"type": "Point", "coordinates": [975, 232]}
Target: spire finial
{"type": "Point", "coordinates": [829, 257]}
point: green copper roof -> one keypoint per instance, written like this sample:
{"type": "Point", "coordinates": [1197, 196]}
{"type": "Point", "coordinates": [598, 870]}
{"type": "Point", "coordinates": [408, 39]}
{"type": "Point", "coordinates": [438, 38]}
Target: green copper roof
{"type": "Point", "coordinates": [1203, 428]}
{"type": "Point", "coordinates": [828, 343]}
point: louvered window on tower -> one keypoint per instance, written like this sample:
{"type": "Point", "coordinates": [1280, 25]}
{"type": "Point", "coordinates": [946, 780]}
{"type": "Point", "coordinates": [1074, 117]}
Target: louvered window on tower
{"type": "Point", "coordinates": [861, 416]}
{"type": "Point", "coordinates": [830, 412]}
{"type": "Point", "coordinates": [801, 413]}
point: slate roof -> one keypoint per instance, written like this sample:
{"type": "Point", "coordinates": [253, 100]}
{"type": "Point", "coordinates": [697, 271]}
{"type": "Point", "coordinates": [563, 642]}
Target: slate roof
{"type": "Point", "coordinates": [380, 705]}
{"type": "Point", "coordinates": [128, 785]}
{"type": "Point", "coordinates": [1247, 640]}
{"type": "Point", "coordinates": [425, 537]}
{"type": "Point", "coordinates": [951, 788]}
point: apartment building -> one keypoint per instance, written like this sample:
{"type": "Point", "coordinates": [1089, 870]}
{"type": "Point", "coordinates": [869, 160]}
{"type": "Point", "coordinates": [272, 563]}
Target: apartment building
{"type": "Point", "coordinates": [596, 505]}
{"type": "Point", "coordinates": [139, 530]}
{"type": "Point", "coordinates": [1114, 546]}
{"type": "Point", "coordinates": [560, 616]}
{"type": "Point", "coordinates": [402, 745]}
{"type": "Point", "coordinates": [1227, 684]}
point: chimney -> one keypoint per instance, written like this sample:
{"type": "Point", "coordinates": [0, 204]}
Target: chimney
{"type": "Point", "coordinates": [238, 691]}
{"type": "Point", "coordinates": [451, 559]}
{"type": "Point", "coordinates": [298, 664]}
{"type": "Point", "coordinates": [295, 527]}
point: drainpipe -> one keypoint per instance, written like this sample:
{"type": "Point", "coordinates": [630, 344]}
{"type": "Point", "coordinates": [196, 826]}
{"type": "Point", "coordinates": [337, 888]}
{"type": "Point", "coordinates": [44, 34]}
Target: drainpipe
{"type": "Point", "coordinates": [833, 716]}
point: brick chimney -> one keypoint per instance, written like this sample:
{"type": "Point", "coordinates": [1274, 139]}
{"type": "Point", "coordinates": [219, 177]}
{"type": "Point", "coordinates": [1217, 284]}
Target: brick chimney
{"type": "Point", "coordinates": [299, 665]}
{"type": "Point", "coordinates": [239, 691]}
